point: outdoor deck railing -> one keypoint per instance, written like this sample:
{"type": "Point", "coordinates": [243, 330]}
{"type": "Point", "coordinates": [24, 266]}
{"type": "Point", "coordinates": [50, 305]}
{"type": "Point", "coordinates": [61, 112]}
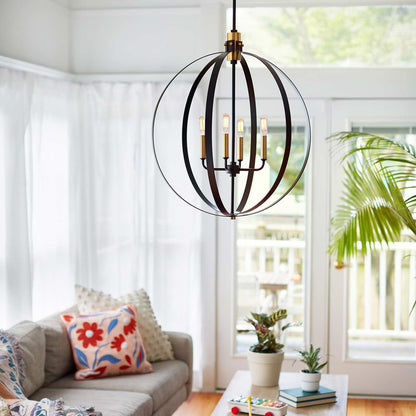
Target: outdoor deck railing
{"type": "Point", "coordinates": [368, 283]}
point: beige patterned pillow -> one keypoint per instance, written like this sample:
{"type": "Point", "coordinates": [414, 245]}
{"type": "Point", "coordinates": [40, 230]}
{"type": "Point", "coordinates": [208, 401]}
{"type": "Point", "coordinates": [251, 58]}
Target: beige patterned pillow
{"type": "Point", "coordinates": [156, 342]}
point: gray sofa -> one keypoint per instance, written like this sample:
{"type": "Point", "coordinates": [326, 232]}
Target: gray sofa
{"type": "Point", "coordinates": [49, 371]}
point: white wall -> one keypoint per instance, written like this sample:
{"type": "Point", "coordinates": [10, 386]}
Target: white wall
{"type": "Point", "coordinates": [35, 31]}
{"type": "Point", "coordinates": [111, 37]}
{"type": "Point", "coordinates": [129, 41]}
{"type": "Point", "coordinates": [142, 40]}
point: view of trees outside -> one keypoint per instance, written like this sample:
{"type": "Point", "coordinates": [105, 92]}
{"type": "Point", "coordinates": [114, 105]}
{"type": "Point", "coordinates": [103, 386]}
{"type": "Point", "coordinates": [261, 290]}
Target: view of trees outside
{"type": "Point", "coordinates": [334, 36]}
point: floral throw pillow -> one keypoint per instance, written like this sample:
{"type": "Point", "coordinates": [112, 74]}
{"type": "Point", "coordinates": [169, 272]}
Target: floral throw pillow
{"type": "Point", "coordinates": [156, 342]}
{"type": "Point", "coordinates": [107, 343]}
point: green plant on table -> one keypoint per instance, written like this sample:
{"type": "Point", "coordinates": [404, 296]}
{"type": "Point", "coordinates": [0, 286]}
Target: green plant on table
{"type": "Point", "coordinates": [312, 359]}
{"type": "Point", "coordinates": [263, 325]}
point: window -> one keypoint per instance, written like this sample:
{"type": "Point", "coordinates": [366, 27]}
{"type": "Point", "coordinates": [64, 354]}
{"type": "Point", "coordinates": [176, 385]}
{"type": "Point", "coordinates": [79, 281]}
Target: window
{"type": "Point", "coordinates": [333, 36]}
{"type": "Point", "coordinates": [270, 252]}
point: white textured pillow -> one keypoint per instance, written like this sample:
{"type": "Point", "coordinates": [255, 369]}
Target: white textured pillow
{"type": "Point", "coordinates": [156, 342]}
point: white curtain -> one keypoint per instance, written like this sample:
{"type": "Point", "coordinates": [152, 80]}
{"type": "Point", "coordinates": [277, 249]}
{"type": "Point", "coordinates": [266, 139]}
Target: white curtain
{"type": "Point", "coordinates": [34, 238]}
{"type": "Point", "coordinates": [81, 200]}
{"type": "Point", "coordinates": [135, 231]}
{"type": "Point", "coordinates": [16, 90]}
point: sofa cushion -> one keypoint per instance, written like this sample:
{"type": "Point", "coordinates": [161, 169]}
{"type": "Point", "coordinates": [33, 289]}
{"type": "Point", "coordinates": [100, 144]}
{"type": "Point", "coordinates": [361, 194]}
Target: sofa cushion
{"type": "Point", "coordinates": [107, 343]}
{"type": "Point", "coordinates": [168, 408]}
{"type": "Point", "coordinates": [167, 378]}
{"type": "Point", "coordinates": [59, 361]}
{"type": "Point", "coordinates": [108, 402]}
{"type": "Point", "coordinates": [156, 342]}
{"type": "Point", "coordinates": [183, 350]}
{"type": "Point", "coordinates": [31, 338]}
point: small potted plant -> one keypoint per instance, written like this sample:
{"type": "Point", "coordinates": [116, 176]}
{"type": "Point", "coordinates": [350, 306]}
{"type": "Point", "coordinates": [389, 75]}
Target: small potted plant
{"type": "Point", "coordinates": [311, 376]}
{"type": "Point", "coordinates": [265, 358]}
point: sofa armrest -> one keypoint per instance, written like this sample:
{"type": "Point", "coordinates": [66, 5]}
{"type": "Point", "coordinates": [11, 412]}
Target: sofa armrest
{"type": "Point", "coordinates": [183, 350]}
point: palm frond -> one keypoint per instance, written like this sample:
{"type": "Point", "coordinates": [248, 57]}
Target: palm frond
{"type": "Point", "coordinates": [374, 143]}
{"type": "Point", "coordinates": [372, 210]}
{"type": "Point", "coordinates": [413, 307]}
{"type": "Point", "coordinates": [411, 201]}
{"type": "Point", "coordinates": [396, 158]}
{"type": "Point", "coordinates": [379, 172]}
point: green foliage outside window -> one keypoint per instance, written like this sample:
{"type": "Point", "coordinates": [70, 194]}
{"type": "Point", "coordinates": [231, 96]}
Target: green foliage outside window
{"type": "Point", "coordinates": [342, 36]}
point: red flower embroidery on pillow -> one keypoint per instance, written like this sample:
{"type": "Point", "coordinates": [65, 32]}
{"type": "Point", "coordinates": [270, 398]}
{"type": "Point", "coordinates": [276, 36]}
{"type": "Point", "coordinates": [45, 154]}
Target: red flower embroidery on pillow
{"type": "Point", "coordinates": [119, 342]}
{"type": "Point", "coordinates": [130, 325]}
{"type": "Point", "coordinates": [68, 318]}
{"type": "Point", "coordinates": [126, 367]}
{"type": "Point", "coordinates": [89, 334]}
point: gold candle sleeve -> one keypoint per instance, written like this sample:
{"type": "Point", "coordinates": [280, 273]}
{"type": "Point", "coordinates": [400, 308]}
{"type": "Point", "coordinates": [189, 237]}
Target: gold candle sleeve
{"type": "Point", "coordinates": [226, 154]}
{"type": "Point", "coordinates": [203, 146]}
{"type": "Point", "coordinates": [264, 148]}
{"type": "Point", "coordinates": [240, 148]}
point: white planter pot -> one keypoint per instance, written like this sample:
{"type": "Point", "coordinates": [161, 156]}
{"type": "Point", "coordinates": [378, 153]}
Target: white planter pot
{"type": "Point", "coordinates": [265, 368]}
{"type": "Point", "coordinates": [310, 381]}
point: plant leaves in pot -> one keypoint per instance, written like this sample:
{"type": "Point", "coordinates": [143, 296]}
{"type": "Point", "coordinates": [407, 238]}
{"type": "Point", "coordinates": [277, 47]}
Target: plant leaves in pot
{"type": "Point", "coordinates": [311, 376]}
{"type": "Point", "coordinates": [265, 358]}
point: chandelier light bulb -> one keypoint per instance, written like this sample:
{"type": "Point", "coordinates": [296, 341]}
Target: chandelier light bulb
{"type": "Point", "coordinates": [202, 130]}
{"type": "Point", "coordinates": [263, 125]}
{"type": "Point", "coordinates": [226, 123]}
{"type": "Point", "coordinates": [240, 131]}
{"type": "Point", "coordinates": [202, 125]}
{"type": "Point", "coordinates": [240, 127]}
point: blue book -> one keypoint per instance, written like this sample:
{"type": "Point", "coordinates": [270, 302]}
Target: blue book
{"type": "Point", "coordinates": [328, 400]}
{"type": "Point", "coordinates": [298, 395]}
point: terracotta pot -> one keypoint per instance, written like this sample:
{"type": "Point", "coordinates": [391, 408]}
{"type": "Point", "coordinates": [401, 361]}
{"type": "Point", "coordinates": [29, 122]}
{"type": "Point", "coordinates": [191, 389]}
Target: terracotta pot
{"type": "Point", "coordinates": [265, 368]}
{"type": "Point", "coordinates": [309, 381]}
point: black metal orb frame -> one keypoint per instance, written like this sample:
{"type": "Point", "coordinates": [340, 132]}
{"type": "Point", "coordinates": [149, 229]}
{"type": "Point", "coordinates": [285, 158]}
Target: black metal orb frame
{"type": "Point", "coordinates": [234, 168]}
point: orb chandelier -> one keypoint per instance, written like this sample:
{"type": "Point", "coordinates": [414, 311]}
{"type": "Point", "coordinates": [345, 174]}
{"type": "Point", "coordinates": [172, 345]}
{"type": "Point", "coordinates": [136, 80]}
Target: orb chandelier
{"type": "Point", "coordinates": [233, 164]}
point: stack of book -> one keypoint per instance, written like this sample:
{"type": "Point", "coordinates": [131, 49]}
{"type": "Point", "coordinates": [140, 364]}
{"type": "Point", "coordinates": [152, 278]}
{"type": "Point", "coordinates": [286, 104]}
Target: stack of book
{"type": "Point", "coordinates": [299, 398]}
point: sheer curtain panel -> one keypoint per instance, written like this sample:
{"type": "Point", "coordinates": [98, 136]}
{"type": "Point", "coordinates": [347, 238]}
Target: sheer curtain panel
{"type": "Point", "coordinates": [16, 90]}
{"type": "Point", "coordinates": [34, 240]}
{"type": "Point", "coordinates": [81, 201]}
{"type": "Point", "coordinates": [134, 231]}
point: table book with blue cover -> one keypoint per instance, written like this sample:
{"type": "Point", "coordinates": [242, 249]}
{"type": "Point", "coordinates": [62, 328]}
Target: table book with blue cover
{"type": "Point", "coordinates": [298, 395]}
{"type": "Point", "coordinates": [306, 403]}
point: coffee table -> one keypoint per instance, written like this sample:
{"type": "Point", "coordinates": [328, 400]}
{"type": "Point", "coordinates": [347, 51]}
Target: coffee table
{"type": "Point", "coordinates": [241, 384]}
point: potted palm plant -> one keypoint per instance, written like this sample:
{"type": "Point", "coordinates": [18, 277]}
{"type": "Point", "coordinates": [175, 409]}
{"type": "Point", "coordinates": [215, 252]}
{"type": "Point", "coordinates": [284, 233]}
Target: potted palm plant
{"type": "Point", "coordinates": [378, 199]}
{"type": "Point", "coordinates": [311, 376]}
{"type": "Point", "coordinates": [265, 358]}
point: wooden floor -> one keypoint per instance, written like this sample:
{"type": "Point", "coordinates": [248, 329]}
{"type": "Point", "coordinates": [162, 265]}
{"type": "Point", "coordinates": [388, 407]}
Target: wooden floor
{"type": "Point", "coordinates": [202, 404]}
{"type": "Point", "coordinates": [199, 404]}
